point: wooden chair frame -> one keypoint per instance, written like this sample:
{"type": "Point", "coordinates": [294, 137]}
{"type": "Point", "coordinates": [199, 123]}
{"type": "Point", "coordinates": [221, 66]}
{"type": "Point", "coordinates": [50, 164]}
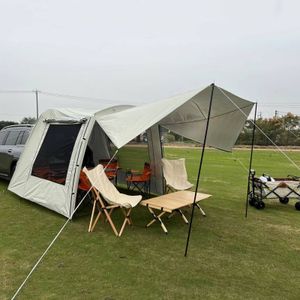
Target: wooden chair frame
{"type": "Point", "coordinates": [107, 210]}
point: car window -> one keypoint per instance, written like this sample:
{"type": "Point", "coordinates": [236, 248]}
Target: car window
{"type": "Point", "coordinates": [2, 136]}
{"type": "Point", "coordinates": [12, 137]}
{"type": "Point", "coordinates": [24, 137]}
{"type": "Point", "coordinates": [19, 140]}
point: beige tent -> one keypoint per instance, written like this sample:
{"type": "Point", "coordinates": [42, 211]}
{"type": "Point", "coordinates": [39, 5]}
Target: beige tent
{"type": "Point", "coordinates": [60, 138]}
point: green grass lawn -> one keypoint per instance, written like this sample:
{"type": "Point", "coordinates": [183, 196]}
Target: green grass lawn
{"type": "Point", "coordinates": [230, 257]}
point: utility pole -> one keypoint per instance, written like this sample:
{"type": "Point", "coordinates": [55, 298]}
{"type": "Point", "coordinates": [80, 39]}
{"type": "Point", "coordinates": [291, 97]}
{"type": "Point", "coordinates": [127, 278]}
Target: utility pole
{"type": "Point", "coordinates": [37, 103]}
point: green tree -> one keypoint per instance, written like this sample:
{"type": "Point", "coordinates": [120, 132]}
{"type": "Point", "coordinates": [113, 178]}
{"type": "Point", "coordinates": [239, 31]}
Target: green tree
{"type": "Point", "coordinates": [245, 137]}
{"type": "Point", "coordinates": [28, 120]}
{"type": "Point", "coordinates": [6, 123]}
{"type": "Point", "coordinates": [291, 124]}
{"type": "Point", "coordinates": [283, 131]}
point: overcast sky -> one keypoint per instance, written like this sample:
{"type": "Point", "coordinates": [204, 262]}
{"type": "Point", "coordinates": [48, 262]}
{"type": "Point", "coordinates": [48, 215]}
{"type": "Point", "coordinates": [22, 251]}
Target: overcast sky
{"type": "Point", "coordinates": [138, 51]}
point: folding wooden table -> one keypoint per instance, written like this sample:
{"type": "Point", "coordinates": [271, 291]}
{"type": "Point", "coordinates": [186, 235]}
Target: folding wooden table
{"type": "Point", "coordinates": [171, 203]}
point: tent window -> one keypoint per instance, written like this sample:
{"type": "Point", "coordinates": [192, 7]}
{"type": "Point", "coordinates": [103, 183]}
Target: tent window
{"type": "Point", "coordinates": [53, 159]}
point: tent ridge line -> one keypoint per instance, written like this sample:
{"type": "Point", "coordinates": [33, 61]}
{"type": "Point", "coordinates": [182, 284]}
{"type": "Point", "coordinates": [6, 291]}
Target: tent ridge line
{"type": "Point", "coordinates": [217, 116]}
{"type": "Point", "coordinates": [200, 110]}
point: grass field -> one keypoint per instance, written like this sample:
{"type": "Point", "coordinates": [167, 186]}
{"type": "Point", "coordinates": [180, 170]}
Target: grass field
{"type": "Point", "coordinates": [230, 257]}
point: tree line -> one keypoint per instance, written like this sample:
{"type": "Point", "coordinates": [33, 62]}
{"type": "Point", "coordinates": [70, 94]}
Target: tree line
{"type": "Point", "coordinates": [26, 120]}
{"type": "Point", "coordinates": [282, 130]}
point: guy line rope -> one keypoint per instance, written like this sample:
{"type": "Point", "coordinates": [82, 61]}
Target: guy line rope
{"type": "Point", "coordinates": [277, 147]}
{"type": "Point", "coordinates": [55, 238]}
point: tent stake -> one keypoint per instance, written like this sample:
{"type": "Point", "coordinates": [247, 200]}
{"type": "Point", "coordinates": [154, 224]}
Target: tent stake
{"type": "Point", "coordinates": [199, 170]}
{"type": "Point", "coordinates": [250, 162]}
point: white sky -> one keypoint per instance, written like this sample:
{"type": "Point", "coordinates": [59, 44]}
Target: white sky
{"type": "Point", "coordinates": [137, 51]}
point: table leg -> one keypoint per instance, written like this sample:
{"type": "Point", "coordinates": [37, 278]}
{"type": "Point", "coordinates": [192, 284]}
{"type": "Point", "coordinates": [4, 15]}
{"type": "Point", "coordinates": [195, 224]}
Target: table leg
{"type": "Point", "coordinates": [202, 211]}
{"type": "Point", "coordinates": [183, 216]}
{"type": "Point", "coordinates": [155, 218]}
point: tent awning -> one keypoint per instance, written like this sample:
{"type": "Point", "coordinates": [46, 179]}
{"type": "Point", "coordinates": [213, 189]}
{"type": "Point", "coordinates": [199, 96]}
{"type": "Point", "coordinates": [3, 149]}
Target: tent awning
{"type": "Point", "coordinates": [186, 115]}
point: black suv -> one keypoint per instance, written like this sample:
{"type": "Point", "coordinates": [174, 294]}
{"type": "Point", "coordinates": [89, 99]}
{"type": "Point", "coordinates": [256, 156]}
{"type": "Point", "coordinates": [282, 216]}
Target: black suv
{"type": "Point", "coordinates": [12, 141]}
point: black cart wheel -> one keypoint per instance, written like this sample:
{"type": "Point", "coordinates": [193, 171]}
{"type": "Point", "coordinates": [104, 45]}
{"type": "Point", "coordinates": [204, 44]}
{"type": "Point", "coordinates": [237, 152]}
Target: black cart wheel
{"type": "Point", "coordinates": [260, 205]}
{"type": "Point", "coordinates": [252, 199]}
{"type": "Point", "coordinates": [297, 205]}
{"type": "Point", "coordinates": [284, 200]}
{"type": "Point", "coordinates": [252, 202]}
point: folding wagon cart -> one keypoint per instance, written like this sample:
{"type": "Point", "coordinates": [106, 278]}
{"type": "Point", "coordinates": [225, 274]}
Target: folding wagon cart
{"type": "Point", "coordinates": [280, 188]}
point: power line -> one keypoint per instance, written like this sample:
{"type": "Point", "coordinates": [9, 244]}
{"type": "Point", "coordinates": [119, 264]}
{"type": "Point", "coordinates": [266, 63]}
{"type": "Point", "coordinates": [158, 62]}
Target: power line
{"type": "Point", "coordinates": [14, 115]}
{"type": "Point", "coordinates": [37, 92]}
{"type": "Point", "coordinates": [284, 112]}
{"type": "Point", "coordinates": [281, 104]}
{"type": "Point", "coordinates": [296, 104]}
{"type": "Point", "coordinates": [80, 98]}
{"type": "Point", "coordinates": [67, 96]}
{"type": "Point", "coordinates": [15, 91]}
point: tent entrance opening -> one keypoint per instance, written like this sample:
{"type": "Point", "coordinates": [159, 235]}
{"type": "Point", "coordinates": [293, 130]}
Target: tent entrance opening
{"type": "Point", "coordinates": [53, 159]}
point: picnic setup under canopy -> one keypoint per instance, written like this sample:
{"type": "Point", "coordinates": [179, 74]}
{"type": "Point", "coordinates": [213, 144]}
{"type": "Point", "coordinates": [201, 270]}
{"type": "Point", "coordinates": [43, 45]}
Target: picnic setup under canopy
{"type": "Point", "coordinates": [56, 156]}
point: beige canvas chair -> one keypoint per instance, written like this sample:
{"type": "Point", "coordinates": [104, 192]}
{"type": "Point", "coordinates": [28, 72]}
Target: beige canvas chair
{"type": "Point", "coordinates": [107, 198]}
{"type": "Point", "coordinates": [176, 178]}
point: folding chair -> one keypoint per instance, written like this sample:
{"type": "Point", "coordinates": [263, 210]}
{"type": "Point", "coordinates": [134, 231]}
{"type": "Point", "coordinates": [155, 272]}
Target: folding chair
{"type": "Point", "coordinates": [139, 181]}
{"type": "Point", "coordinates": [176, 178]}
{"type": "Point", "coordinates": [84, 186]}
{"type": "Point", "coordinates": [111, 169]}
{"type": "Point", "coordinates": [107, 198]}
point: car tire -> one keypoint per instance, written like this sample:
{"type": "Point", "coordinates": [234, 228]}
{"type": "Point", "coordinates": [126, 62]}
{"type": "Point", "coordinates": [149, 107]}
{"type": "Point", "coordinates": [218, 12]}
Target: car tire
{"type": "Point", "coordinates": [12, 170]}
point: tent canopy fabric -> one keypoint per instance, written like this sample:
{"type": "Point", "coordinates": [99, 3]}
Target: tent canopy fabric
{"type": "Point", "coordinates": [58, 197]}
{"type": "Point", "coordinates": [184, 114]}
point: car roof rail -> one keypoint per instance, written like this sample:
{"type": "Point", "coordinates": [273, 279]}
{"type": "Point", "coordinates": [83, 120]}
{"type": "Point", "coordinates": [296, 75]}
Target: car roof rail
{"type": "Point", "coordinates": [18, 125]}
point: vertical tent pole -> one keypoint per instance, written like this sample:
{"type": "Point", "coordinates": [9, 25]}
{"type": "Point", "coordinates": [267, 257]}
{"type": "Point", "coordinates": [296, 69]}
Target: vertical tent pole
{"type": "Point", "coordinates": [200, 167]}
{"type": "Point", "coordinates": [163, 182]}
{"type": "Point", "coordinates": [250, 162]}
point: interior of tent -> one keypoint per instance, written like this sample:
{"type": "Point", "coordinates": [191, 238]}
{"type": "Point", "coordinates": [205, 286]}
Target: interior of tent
{"type": "Point", "coordinates": [129, 159]}
{"type": "Point", "coordinates": [53, 158]}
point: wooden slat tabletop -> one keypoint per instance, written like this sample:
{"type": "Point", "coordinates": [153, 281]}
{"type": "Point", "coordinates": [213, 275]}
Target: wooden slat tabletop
{"type": "Point", "coordinates": [173, 201]}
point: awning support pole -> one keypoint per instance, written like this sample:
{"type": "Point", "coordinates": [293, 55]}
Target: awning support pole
{"type": "Point", "coordinates": [199, 170]}
{"type": "Point", "coordinates": [250, 162]}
